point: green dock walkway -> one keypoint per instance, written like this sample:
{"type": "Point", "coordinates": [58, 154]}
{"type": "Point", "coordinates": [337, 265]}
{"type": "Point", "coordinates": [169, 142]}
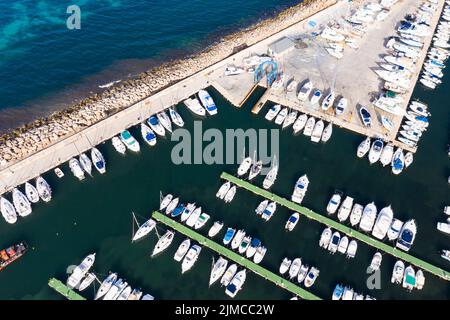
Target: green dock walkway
{"type": "Point", "coordinates": [266, 274]}
{"type": "Point", "coordinates": [338, 226]}
{"type": "Point", "coordinates": [62, 289]}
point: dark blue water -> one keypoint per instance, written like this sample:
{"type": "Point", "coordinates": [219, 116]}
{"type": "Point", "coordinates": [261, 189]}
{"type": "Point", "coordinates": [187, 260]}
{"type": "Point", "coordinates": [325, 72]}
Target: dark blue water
{"type": "Point", "coordinates": [44, 65]}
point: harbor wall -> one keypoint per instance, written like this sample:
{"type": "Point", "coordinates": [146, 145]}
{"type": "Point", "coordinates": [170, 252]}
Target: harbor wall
{"type": "Point", "coordinates": [35, 148]}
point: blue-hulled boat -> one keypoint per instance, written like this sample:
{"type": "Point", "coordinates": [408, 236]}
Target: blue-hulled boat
{"type": "Point", "coordinates": [338, 292]}
{"type": "Point", "coordinates": [177, 211]}
{"type": "Point", "coordinates": [229, 236]}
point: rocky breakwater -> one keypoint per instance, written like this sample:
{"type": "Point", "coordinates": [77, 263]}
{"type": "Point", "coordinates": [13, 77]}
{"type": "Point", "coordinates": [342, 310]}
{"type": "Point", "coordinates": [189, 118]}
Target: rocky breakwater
{"type": "Point", "coordinates": [33, 137]}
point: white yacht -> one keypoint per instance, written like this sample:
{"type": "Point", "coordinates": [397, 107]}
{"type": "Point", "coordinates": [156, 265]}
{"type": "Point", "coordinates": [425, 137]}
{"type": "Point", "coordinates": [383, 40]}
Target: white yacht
{"type": "Point", "coordinates": [87, 281]}
{"type": "Point", "coordinates": [383, 223]}
{"type": "Point", "coordinates": [86, 163]}
{"type": "Point", "coordinates": [281, 116]}
{"type": "Point", "coordinates": [244, 166]}
{"type": "Point", "coordinates": [207, 102]}
{"type": "Point", "coordinates": [31, 192]}
{"type": "Point", "coordinates": [201, 221]}
{"type": "Point", "coordinates": [193, 217]}
{"type": "Point", "coordinates": [300, 188]}
{"type": "Point", "coordinates": [302, 273]}
{"type": "Point", "coordinates": [236, 284]}
{"type": "Point", "coordinates": [223, 190]}
{"type": "Point", "coordinates": [271, 176]}
{"type": "Point", "coordinates": [409, 158]}
{"type": "Point", "coordinates": [305, 91]}
{"type": "Point", "coordinates": [118, 145]}
{"type": "Point", "coordinates": [175, 116]}
{"type": "Point", "coordinates": [237, 239]}
{"type": "Point", "coordinates": [375, 151]}
{"type": "Point", "coordinates": [255, 169]}
{"type": "Point", "coordinates": [368, 217]}
{"type": "Point", "coordinates": [309, 126]}
{"type": "Point", "coordinates": [407, 235]}
{"type": "Point", "coordinates": [21, 203]}
{"type": "Point", "coordinates": [343, 245]}
{"type": "Point", "coordinates": [341, 106]}
{"type": "Point", "coordinates": [218, 270]}
{"type": "Point", "coordinates": [311, 277]}
{"type": "Point", "coordinates": [214, 230]}
{"type": "Point", "coordinates": [394, 229]}
{"type": "Point", "coordinates": [261, 207]}
{"type": "Point", "coordinates": [124, 294]}
{"type": "Point", "coordinates": [345, 209]}
{"type": "Point", "coordinates": [228, 275]}
{"type": "Point", "coordinates": [98, 160]}
{"type": "Point", "coordinates": [182, 250]}
{"type": "Point", "coordinates": [129, 141]}
{"type": "Point", "coordinates": [290, 119]}
{"type": "Point", "coordinates": [116, 290]}
{"type": "Point", "coordinates": [387, 124]}
{"type": "Point", "coordinates": [375, 264]}
{"type": "Point", "coordinates": [148, 135]}
{"type": "Point", "coordinates": [173, 205]}
{"type": "Point", "coordinates": [163, 242]}
{"type": "Point", "coordinates": [316, 97]}
{"type": "Point", "coordinates": [273, 112]}
{"type": "Point", "coordinates": [398, 161]}
{"type": "Point", "coordinates": [144, 229]}
{"type": "Point", "coordinates": [269, 211]}
{"type": "Point", "coordinates": [292, 221]}
{"type": "Point", "coordinates": [245, 243]}
{"type": "Point", "coordinates": [80, 271]}
{"type": "Point", "coordinates": [76, 169]}
{"type": "Point", "coordinates": [348, 294]}
{"type": "Point", "coordinates": [300, 123]}
{"type": "Point", "coordinates": [334, 242]}
{"type": "Point", "coordinates": [156, 125]}
{"type": "Point", "coordinates": [363, 147]}
{"type": "Point", "coordinates": [259, 254]}
{"type": "Point", "coordinates": [43, 188]}
{"type": "Point", "coordinates": [295, 268]}
{"type": "Point", "coordinates": [190, 258]}
{"type": "Point", "coordinates": [165, 201]}
{"type": "Point", "coordinates": [327, 132]}
{"type": "Point", "coordinates": [317, 131]}
{"type": "Point", "coordinates": [195, 106]}
{"type": "Point", "coordinates": [325, 238]}
{"type": "Point", "coordinates": [352, 248]}
{"type": "Point", "coordinates": [334, 202]}
{"type": "Point", "coordinates": [409, 278]}
{"type": "Point", "coordinates": [387, 154]}
{"type": "Point", "coordinates": [356, 214]}
{"type": "Point", "coordinates": [229, 196]}
{"type": "Point", "coordinates": [420, 279]}
{"type": "Point", "coordinates": [8, 211]}
{"type": "Point", "coordinates": [106, 285]}
{"type": "Point", "coordinates": [285, 265]}
{"type": "Point", "coordinates": [328, 101]}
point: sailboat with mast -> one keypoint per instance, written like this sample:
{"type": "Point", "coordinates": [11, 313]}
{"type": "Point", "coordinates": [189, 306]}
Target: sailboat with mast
{"type": "Point", "coordinates": [143, 229]}
{"type": "Point", "coordinates": [256, 167]}
{"type": "Point", "coordinates": [271, 176]}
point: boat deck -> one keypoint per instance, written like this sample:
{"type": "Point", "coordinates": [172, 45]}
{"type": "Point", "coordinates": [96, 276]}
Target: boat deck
{"type": "Point", "coordinates": [246, 263]}
{"type": "Point", "coordinates": [339, 227]}
{"type": "Point", "coordinates": [62, 289]}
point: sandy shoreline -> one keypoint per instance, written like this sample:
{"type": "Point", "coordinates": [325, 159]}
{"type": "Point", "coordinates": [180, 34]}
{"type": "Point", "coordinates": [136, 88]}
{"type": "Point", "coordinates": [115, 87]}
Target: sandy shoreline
{"type": "Point", "coordinates": [41, 133]}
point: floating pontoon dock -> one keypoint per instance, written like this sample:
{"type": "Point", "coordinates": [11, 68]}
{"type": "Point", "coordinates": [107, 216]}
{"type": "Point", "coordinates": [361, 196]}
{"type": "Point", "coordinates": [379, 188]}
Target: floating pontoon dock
{"type": "Point", "coordinates": [62, 289]}
{"type": "Point", "coordinates": [340, 227]}
{"type": "Point", "coordinates": [246, 263]}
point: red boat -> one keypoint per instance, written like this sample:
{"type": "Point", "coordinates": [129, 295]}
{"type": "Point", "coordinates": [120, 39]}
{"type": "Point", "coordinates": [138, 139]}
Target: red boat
{"type": "Point", "coordinates": [11, 254]}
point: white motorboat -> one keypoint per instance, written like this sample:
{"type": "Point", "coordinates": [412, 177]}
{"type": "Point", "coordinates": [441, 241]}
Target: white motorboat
{"type": "Point", "coordinates": [278, 84]}
{"type": "Point", "coordinates": [98, 160]}
{"type": "Point", "coordinates": [341, 106]}
{"type": "Point", "coordinates": [338, 292]}
{"type": "Point", "coordinates": [368, 217]}
{"type": "Point", "coordinates": [193, 217]}
{"type": "Point", "coordinates": [300, 123]}
{"type": "Point", "coordinates": [334, 202]}
{"type": "Point", "coordinates": [295, 268]}
{"type": "Point", "coordinates": [190, 258]}
{"type": "Point", "coordinates": [255, 169]}
{"type": "Point", "coordinates": [311, 277]}
{"type": "Point", "coordinates": [144, 229]}
{"type": "Point", "coordinates": [302, 273]}
{"type": "Point", "coordinates": [163, 242]}
{"type": "Point", "coordinates": [76, 169]}
{"type": "Point", "coordinates": [292, 221]}
{"type": "Point", "coordinates": [155, 123]}
{"type": "Point", "coordinates": [269, 211]}
{"type": "Point", "coordinates": [407, 235]}
{"type": "Point", "coordinates": [356, 214]}
{"type": "Point", "coordinates": [21, 203]}
{"type": "Point", "coordinates": [305, 91]}
{"type": "Point", "coordinates": [334, 242]}
{"type": "Point", "coordinates": [201, 221]}
{"type": "Point", "coordinates": [172, 206]}
{"type": "Point", "coordinates": [300, 188]}
{"type": "Point", "coordinates": [447, 210]}
{"type": "Point", "coordinates": [383, 223]}
{"type": "Point", "coordinates": [261, 207]}
{"type": "Point", "coordinates": [214, 230]}
{"type": "Point", "coordinates": [343, 245]}
{"type": "Point", "coordinates": [348, 294]}
{"type": "Point", "coordinates": [8, 211]}
{"type": "Point", "coordinates": [259, 254]}
{"type": "Point", "coordinates": [129, 141]}
{"type": "Point", "coordinates": [254, 245]}
{"type": "Point", "coordinates": [309, 126]}
{"type": "Point", "coordinates": [281, 116]}
{"type": "Point", "coordinates": [375, 264]}
{"type": "Point", "coordinates": [43, 188]}
{"type": "Point", "coordinates": [87, 281]}
{"type": "Point", "coordinates": [387, 154]}
{"type": "Point", "coordinates": [394, 229]}
{"type": "Point", "coordinates": [271, 176]}
{"type": "Point", "coordinates": [317, 131]}
{"type": "Point", "coordinates": [420, 279]}
{"type": "Point", "coordinates": [328, 101]}
{"type": "Point", "coordinates": [175, 116]}
{"type": "Point", "coordinates": [106, 285]}
{"type": "Point", "coordinates": [195, 106]}
{"type": "Point", "coordinates": [86, 163]}
{"type": "Point", "coordinates": [80, 271]}
{"type": "Point", "coordinates": [124, 294]}
{"type": "Point", "coordinates": [290, 119]}
{"type": "Point", "coordinates": [352, 248]}
{"type": "Point", "coordinates": [285, 265]}
{"type": "Point", "coordinates": [148, 135]}
{"type": "Point", "coordinates": [238, 238]}
{"type": "Point", "coordinates": [207, 102]}
{"type": "Point", "coordinates": [375, 151]}
{"type": "Point", "coordinates": [273, 112]}
{"type": "Point", "coordinates": [325, 238]}
{"type": "Point", "coordinates": [327, 132]}
{"type": "Point", "coordinates": [409, 278]}
{"type": "Point", "coordinates": [229, 274]}
{"type": "Point", "coordinates": [229, 196]}
{"type": "Point", "coordinates": [165, 201]}
{"type": "Point", "coordinates": [218, 269]}
{"type": "Point", "coordinates": [31, 192]}
{"type": "Point", "coordinates": [292, 86]}
{"type": "Point", "coordinates": [116, 290]}
{"type": "Point", "coordinates": [345, 209]}
{"type": "Point", "coordinates": [244, 166]}
{"type": "Point", "coordinates": [398, 162]}
{"type": "Point", "coordinates": [182, 250]}
{"type": "Point", "coordinates": [118, 145]}
{"type": "Point", "coordinates": [245, 243]}
{"type": "Point", "coordinates": [409, 158]}
{"type": "Point", "coordinates": [236, 284]}
{"type": "Point", "coordinates": [363, 148]}
{"type": "Point", "coordinates": [316, 97]}
{"type": "Point", "coordinates": [223, 190]}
